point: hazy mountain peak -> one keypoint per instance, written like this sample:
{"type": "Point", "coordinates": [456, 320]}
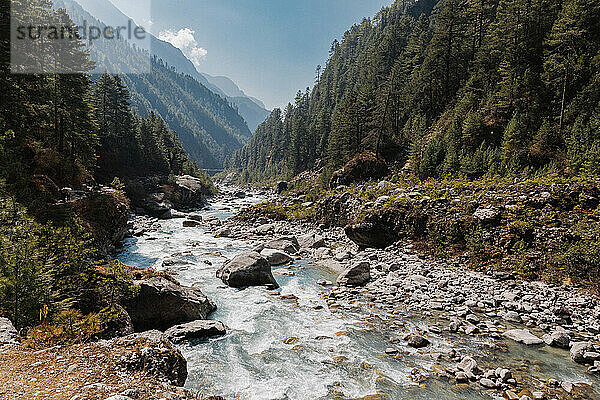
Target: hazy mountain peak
{"type": "Point", "coordinates": [251, 109]}
{"type": "Point", "coordinates": [230, 88]}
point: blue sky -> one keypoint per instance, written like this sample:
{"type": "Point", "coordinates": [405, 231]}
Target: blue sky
{"type": "Point", "coordinates": [270, 48]}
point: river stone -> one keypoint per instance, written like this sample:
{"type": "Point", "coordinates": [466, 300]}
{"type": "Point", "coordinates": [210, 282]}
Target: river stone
{"type": "Point", "coordinates": [357, 275]}
{"type": "Point", "coordinates": [488, 383]}
{"type": "Point", "coordinates": [191, 223]}
{"type": "Point", "coordinates": [567, 386]}
{"type": "Point", "coordinates": [559, 338]}
{"type": "Point", "coordinates": [156, 205]}
{"type": "Point", "coordinates": [223, 233]}
{"type": "Point", "coordinates": [523, 336]}
{"type": "Point", "coordinates": [8, 333]}
{"type": "Point", "coordinates": [275, 257]}
{"type": "Point", "coordinates": [311, 241]}
{"type": "Point", "coordinates": [286, 244]}
{"type": "Point", "coordinates": [591, 357]}
{"type": "Point", "coordinates": [265, 229]}
{"type": "Point", "coordinates": [504, 374]}
{"type": "Point", "coordinates": [461, 377]}
{"type": "Point", "coordinates": [417, 341]}
{"type": "Point", "coordinates": [371, 235]}
{"type": "Point", "coordinates": [195, 217]}
{"type": "Point", "coordinates": [162, 303]}
{"type": "Point", "coordinates": [578, 350]}
{"type": "Point", "coordinates": [247, 269]}
{"type": "Point", "coordinates": [468, 365]}
{"type": "Point", "coordinates": [281, 187]}
{"type": "Point", "coordinates": [513, 316]}
{"type": "Point", "coordinates": [195, 330]}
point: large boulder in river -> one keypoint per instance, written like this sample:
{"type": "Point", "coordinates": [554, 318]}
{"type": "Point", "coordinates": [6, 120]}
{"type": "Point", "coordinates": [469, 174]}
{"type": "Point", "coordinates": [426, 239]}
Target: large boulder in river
{"type": "Point", "coordinates": [162, 303]}
{"type": "Point", "coordinates": [358, 274]}
{"type": "Point", "coordinates": [8, 333]}
{"type": "Point", "coordinates": [247, 269]}
{"type": "Point", "coordinates": [195, 330]}
{"type": "Point", "coordinates": [188, 191]}
{"type": "Point", "coordinates": [276, 257]}
{"type": "Point", "coordinates": [371, 234]}
{"type": "Point", "coordinates": [363, 167]}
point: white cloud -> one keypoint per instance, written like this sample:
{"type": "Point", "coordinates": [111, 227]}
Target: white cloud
{"type": "Point", "coordinates": [185, 41]}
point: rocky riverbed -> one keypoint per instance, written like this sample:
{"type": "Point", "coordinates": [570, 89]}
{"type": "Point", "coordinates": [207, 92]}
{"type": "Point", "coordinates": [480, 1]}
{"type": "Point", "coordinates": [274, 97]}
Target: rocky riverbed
{"type": "Point", "coordinates": [303, 313]}
{"type": "Point", "coordinates": [412, 327]}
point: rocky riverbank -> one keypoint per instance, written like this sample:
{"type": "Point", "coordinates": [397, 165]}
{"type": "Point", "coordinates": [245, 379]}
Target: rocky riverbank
{"type": "Point", "coordinates": [141, 366]}
{"type": "Point", "coordinates": [486, 331]}
{"type": "Point", "coordinates": [453, 303]}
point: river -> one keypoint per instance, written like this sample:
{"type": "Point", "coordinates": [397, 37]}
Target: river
{"type": "Point", "coordinates": [288, 344]}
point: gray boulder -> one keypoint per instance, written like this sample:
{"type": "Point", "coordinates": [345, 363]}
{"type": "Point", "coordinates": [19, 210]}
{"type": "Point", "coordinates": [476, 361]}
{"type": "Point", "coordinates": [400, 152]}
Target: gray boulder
{"type": "Point", "coordinates": [486, 214]}
{"type": "Point", "coordinates": [200, 329]}
{"type": "Point", "coordinates": [488, 383]}
{"type": "Point", "coordinates": [417, 341]}
{"type": "Point", "coordinates": [195, 217]}
{"type": "Point", "coordinates": [223, 233]}
{"type": "Point", "coordinates": [513, 316]}
{"type": "Point", "coordinates": [162, 303]}
{"type": "Point", "coordinates": [264, 229]}
{"type": "Point", "coordinates": [190, 223]}
{"type": "Point", "coordinates": [188, 192]}
{"type": "Point", "coordinates": [523, 336]}
{"type": "Point", "coordinates": [469, 366]}
{"type": "Point", "coordinates": [275, 257]}
{"type": "Point", "coordinates": [248, 269]}
{"type": "Point", "coordinates": [311, 241]}
{"type": "Point", "coordinates": [358, 274]}
{"type": "Point", "coordinates": [558, 338]}
{"type": "Point", "coordinates": [156, 205]}
{"type": "Point", "coordinates": [371, 235]}
{"type": "Point", "coordinates": [8, 333]}
{"type": "Point", "coordinates": [287, 244]}
{"type": "Point", "coordinates": [579, 349]}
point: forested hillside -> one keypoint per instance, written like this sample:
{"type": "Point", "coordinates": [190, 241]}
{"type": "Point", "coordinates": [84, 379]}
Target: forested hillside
{"type": "Point", "coordinates": [451, 87]}
{"type": "Point", "coordinates": [61, 136]}
{"type": "Point", "coordinates": [209, 127]}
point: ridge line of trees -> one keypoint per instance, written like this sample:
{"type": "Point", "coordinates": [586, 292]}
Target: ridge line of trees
{"type": "Point", "coordinates": [448, 87]}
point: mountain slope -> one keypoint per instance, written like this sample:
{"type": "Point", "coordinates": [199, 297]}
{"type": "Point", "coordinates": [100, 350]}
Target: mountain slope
{"type": "Point", "coordinates": [252, 111]}
{"type": "Point", "coordinates": [209, 127]}
{"type": "Point", "coordinates": [449, 88]}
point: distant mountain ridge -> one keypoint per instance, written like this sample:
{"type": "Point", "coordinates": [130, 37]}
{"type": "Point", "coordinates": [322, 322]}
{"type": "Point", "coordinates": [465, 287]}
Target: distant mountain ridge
{"type": "Point", "coordinates": [230, 88]}
{"type": "Point", "coordinates": [254, 111]}
{"type": "Point", "coordinates": [208, 125]}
